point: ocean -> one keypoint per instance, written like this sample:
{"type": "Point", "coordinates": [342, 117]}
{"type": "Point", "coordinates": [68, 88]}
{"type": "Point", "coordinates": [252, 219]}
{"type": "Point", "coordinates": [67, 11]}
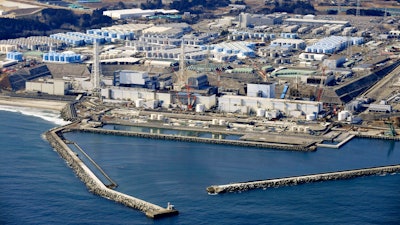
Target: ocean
{"type": "Point", "coordinates": [38, 187]}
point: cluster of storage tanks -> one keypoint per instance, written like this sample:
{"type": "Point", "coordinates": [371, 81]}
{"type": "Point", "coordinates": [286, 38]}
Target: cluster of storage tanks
{"type": "Point", "coordinates": [64, 57]}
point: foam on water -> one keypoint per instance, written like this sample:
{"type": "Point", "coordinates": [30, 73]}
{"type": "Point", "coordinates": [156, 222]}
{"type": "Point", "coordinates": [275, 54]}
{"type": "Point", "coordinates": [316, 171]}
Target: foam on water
{"type": "Point", "coordinates": [52, 116]}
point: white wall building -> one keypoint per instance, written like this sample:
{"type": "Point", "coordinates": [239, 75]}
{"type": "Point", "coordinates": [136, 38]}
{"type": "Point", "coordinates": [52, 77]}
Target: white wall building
{"type": "Point", "coordinates": [261, 90]}
{"type": "Point", "coordinates": [246, 105]}
{"type": "Point", "coordinates": [48, 86]}
{"type": "Point", "coordinates": [136, 13]}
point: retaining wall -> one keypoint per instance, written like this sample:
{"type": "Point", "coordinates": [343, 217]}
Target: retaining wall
{"type": "Point", "coordinates": [348, 174]}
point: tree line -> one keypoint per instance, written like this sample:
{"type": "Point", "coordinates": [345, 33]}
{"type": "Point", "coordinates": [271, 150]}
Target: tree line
{"type": "Point", "coordinates": [50, 21]}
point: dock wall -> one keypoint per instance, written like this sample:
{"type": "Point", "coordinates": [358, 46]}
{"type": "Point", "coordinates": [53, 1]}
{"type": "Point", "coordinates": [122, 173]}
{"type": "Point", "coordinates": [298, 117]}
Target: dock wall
{"type": "Point", "coordinates": [196, 139]}
{"type": "Point", "coordinates": [287, 181]}
{"type": "Point", "coordinates": [95, 186]}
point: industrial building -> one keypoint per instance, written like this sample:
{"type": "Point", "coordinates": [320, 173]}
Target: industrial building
{"type": "Point", "coordinates": [334, 61]}
{"type": "Point", "coordinates": [129, 78]}
{"type": "Point", "coordinates": [248, 105]}
{"type": "Point", "coordinates": [151, 99]}
{"type": "Point", "coordinates": [312, 56]}
{"type": "Point", "coordinates": [48, 86]}
{"type": "Point", "coordinates": [246, 19]}
{"type": "Point", "coordinates": [63, 57]}
{"type": "Point", "coordinates": [265, 90]}
{"type": "Point", "coordinates": [136, 13]}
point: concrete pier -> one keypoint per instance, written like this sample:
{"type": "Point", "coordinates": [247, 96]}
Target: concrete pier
{"type": "Point", "coordinates": [287, 181]}
{"type": "Point", "coordinates": [198, 139]}
{"type": "Point", "coordinates": [55, 137]}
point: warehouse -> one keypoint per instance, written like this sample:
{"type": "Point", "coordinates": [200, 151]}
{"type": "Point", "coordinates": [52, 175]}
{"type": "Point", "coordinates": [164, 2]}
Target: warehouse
{"type": "Point", "coordinates": [48, 86]}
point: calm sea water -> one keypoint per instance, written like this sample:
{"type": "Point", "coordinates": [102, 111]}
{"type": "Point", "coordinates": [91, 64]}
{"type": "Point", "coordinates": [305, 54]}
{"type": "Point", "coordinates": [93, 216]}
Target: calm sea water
{"type": "Point", "coordinates": [37, 187]}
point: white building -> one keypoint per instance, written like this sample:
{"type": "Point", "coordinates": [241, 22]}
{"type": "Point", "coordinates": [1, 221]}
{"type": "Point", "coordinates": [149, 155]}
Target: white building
{"type": "Point", "coordinates": [136, 13]}
{"type": "Point", "coordinates": [266, 90]}
{"type": "Point", "coordinates": [306, 56]}
{"type": "Point", "coordinates": [48, 86]}
{"type": "Point", "coordinates": [246, 105]}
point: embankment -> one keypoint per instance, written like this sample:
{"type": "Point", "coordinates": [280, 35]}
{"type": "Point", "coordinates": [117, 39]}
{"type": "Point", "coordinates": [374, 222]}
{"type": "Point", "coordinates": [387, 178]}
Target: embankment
{"type": "Point", "coordinates": [287, 181]}
{"type": "Point", "coordinates": [197, 139]}
{"type": "Point", "coordinates": [94, 185]}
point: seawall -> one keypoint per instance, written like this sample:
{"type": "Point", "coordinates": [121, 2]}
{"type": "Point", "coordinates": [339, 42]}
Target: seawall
{"type": "Point", "coordinates": [287, 181]}
{"type": "Point", "coordinates": [55, 138]}
{"type": "Point", "coordinates": [196, 139]}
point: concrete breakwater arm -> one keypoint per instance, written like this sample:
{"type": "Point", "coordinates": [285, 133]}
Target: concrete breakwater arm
{"type": "Point", "coordinates": [94, 185]}
{"type": "Point", "coordinates": [287, 181]}
{"type": "Point", "coordinates": [197, 139]}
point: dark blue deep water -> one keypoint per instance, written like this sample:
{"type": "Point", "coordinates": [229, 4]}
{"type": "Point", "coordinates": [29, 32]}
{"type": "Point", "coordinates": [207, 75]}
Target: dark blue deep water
{"type": "Point", "coordinates": [37, 187]}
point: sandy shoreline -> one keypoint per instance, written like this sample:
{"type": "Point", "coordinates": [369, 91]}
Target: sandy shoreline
{"type": "Point", "coordinates": [32, 103]}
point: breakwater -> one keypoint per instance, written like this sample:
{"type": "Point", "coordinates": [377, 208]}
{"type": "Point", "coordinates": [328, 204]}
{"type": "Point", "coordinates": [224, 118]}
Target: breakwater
{"type": "Point", "coordinates": [197, 139]}
{"type": "Point", "coordinates": [288, 181]}
{"type": "Point", "coordinates": [55, 138]}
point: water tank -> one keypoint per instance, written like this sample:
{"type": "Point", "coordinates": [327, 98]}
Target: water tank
{"type": "Point", "coordinates": [294, 128]}
{"type": "Point", "coordinates": [310, 117]}
{"type": "Point", "coordinates": [342, 116]}
{"type": "Point", "coordinates": [307, 130]}
{"type": "Point", "coordinates": [160, 117]}
{"type": "Point", "coordinates": [260, 112]}
{"type": "Point", "coordinates": [214, 122]}
{"type": "Point", "coordinates": [153, 116]}
{"type": "Point", "coordinates": [222, 122]}
{"type": "Point", "coordinates": [200, 108]}
{"type": "Point", "coordinates": [139, 102]}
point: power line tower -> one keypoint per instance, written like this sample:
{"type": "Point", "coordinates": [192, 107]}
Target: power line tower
{"type": "Point", "coordinates": [95, 75]}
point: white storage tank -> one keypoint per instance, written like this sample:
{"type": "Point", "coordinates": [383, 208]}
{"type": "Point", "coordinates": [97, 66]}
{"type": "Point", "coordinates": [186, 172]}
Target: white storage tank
{"type": "Point", "coordinates": [139, 102]}
{"type": "Point", "coordinates": [153, 116]}
{"type": "Point", "coordinates": [160, 117]}
{"type": "Point", "coordinates": [260, 112]}
{"type": "Point", "coordinates": [294, 128]}
{"type": "Point", "coordinates": [222, 122]}
{"type": "Point", "coordinates": [342, 116]}
{"type": "Point", "coordinates": [310, 117]}
{"type": "Point", "coordinates": [307, 130]}
{"type": "Point", "coordinates": [214, 122]}
{"type": "Point", "coordinates": [200, 108]}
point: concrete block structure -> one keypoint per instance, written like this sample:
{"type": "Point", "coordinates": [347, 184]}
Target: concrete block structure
{"type": "Point", "coordinates": [48, 86]}
{"type": "Point", "coordinates": [246, 19]}
{"type": "Point", "coordinates": [266, 90]}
